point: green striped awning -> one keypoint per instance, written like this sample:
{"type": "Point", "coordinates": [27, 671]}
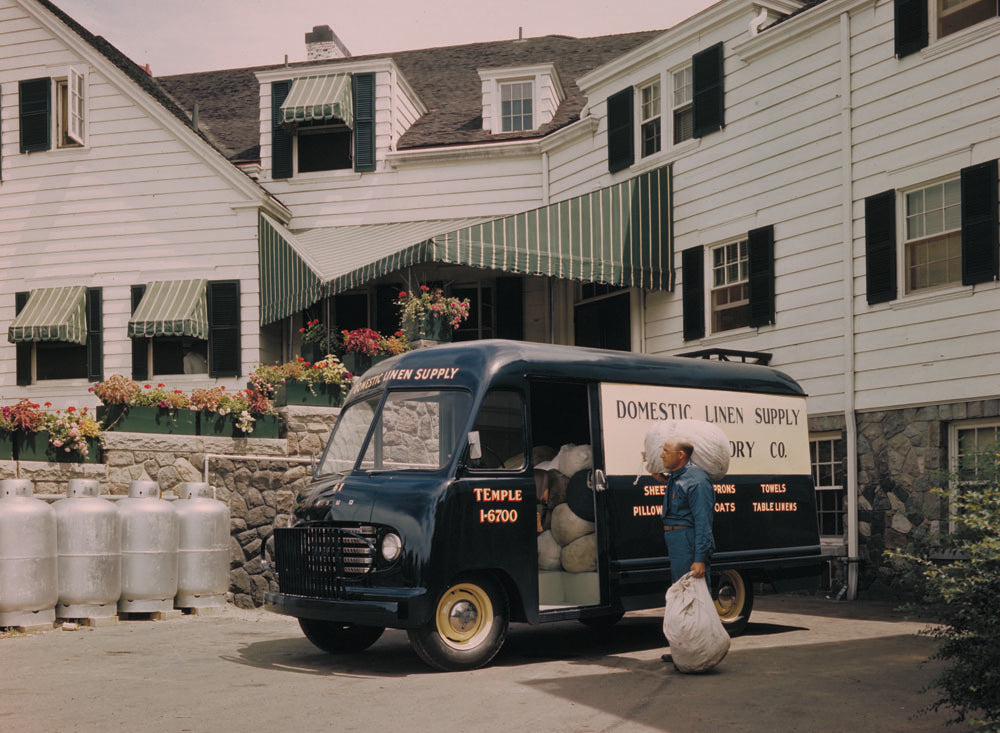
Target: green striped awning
{"type": "Point", "coordinates": [52, 314]}
{"type": "Point", "coordinates": [319, 98]}
{"type": "Point", "coordinates": [171, 308]}
{"type": "Point", "coordinates": [287, 282]}
{"type": "Point", "coordinates": [619, 235]}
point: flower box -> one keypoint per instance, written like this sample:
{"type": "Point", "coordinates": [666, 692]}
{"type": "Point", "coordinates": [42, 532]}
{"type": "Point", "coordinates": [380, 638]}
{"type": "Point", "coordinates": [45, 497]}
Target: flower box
{"type": "Point", "coordinates": [430, 328]}
{"type": "Point", "coordinates": [215, 425]}
{"type": "Point", "coordinates": [358, 364]}
{"type": "Point", "coordinates": [321, 395]}
{"type": "Point", "coordinates": [36, 447]}
{"type": "Point", "coordinates": [6, 446]}
{"type": "Point", "coordinates": [264, 426]}
{"type": "Point", "coordinates": [141, 419]}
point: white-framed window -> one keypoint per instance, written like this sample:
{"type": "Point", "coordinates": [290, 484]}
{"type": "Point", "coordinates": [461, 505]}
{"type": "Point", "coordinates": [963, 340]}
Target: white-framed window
{"type": "Point", "coordinates": [683, 107]}
{"type": "Point", "coordinates": [968, 444]}
{"type": "Point", "coordinates": [70, 114]}
{"type": "Point", "coordinates": [516, 106]}
{"type": "Point", "coordinates": [170, 355]}
{"type": "Point", "coordinates": [969, 456]}
{"type": "Point", "coordinates": [730, 292]}
{"type": "Point", "coordinates": [932, 235]}
{"type": "Point", "coordinates": [827, 456]}
{"type": "Point", "coordinates": [955, 15]}
{"type": "Point", "coordinates": [649, 117]}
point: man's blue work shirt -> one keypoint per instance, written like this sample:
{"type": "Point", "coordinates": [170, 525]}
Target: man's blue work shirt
{"type": "Point", "coordinates": [690, 501]}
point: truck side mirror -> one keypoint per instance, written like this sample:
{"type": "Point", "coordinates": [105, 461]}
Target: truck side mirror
{"type": "Point", "coordinates": [475, 447]}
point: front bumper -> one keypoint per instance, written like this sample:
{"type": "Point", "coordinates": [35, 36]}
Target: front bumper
{"type": "Point", "coordinates": [400, 608]}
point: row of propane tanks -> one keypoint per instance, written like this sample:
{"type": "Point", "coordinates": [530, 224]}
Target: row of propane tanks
{"type": "Point", "coordinates": [86, 557]}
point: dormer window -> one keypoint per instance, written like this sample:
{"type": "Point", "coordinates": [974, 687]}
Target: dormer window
{"type": "Point", "coordinates": [516, 103]}
{"type": "Point", "coordinates": [519, 99]}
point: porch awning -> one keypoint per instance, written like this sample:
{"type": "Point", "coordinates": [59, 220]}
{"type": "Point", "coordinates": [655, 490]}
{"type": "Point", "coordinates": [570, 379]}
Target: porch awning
{"type": "Point", "coordinates": [319, 98]}
{"type": "Point", "coordinates": [171, 308]}
{"type": "Point", "coordinates": [619, 235]}
{"type": "Point", "coordinates": [52, 314]}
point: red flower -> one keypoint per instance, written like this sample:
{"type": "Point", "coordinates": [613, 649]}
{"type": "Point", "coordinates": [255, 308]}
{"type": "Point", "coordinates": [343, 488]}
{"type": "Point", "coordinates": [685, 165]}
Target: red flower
{"type": "Point", "coordinates": [178, 391]}
{"type": "Point", "coordinates": [161, 385]}
{"type": "Point", "coordinates": [424, 288]}
{"type": "Point", "coordinates": [402, 293]}
{"type": "Point", "coordinates": [399, 333]}
{"type": "Point", "coordinates": [222, 386]}
{"type": "Point", "coordinates": [147, 386]}
{"type": "Point", "coordinates": [48, 404]}
{"type": "Point", "coordinates": [302, 330]}
{"type": "Point", "coordinates": [299, 358]}
{"type": "Point", "coordinates": [71, 409]}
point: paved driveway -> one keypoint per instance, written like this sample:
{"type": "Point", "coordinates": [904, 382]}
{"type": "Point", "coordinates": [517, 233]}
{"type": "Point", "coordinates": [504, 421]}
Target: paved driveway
{"type": "Point", "coordinates": [804, 665]}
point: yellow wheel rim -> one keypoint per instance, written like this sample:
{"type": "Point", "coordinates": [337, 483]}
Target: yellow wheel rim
{"type": "Point", "coordinates": [732, 596]}
{"type": "Point", "coordinates": [464, 616]}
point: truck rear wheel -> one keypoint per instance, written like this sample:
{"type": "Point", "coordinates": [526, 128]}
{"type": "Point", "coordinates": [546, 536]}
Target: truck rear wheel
{"type": "Point", "coordinates": [734, 601]}
{"type": "Point", "coordinates": [338, 638]}
{"type": "Point", "coordinates": [468, 627]}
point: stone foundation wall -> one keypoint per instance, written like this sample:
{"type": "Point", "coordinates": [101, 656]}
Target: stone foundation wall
{"type": "Point", "coordinates": [256, 478]}
{"type": "Point", "coordinates": [902, 455]}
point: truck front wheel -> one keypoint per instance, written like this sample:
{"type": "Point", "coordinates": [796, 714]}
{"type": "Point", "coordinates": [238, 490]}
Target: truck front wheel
{"type": "Point", "coordinates": [468, 627]}
{"type": "Point", "coordinates": [337, 638]}
{"type": "Point", "coordinates": [734, 601]}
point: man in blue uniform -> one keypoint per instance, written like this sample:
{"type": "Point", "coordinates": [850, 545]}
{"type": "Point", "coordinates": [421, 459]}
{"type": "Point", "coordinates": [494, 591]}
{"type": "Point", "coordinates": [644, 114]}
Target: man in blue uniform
{"type": "Point", "coordinates": [688, 510]}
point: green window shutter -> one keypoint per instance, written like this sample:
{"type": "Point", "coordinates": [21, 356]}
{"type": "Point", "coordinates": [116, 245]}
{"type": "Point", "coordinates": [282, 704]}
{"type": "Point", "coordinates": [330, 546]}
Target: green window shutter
{"type": "Point", "coordinates": [909, 26]}
{"type": "Point", "coordinates": [693, 276]}
{"type": "Point", "coordinates": [24, 348]}
{"type": "Point", "coordinates": [364, 122]}
{"type": "Point", "coordinates": [224, 328]}
{"type": "Point", "coordinates": [34, 96]}
{"type": "Point", "coordinates": [760, 246]}
{"type": "Point", "coordinates": [95, 335]}
{"type": "Point", "coordinates": [281, 136]}
{"type": "Point", "coordinates": [140, 350]}
{"type": "Point", "coordinates": [880, 247]}
{"type": "Point", "coordinates": [621, 137]}
{"type": "Point", "coordinates": [708, 91]}
{"type": "Point", "coordinates": [510, 308]}
{"type": "Point", "coordinates": [979, 223]}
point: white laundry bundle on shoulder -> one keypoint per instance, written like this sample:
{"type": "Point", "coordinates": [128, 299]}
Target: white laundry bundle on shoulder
{"type": "Point", "coordinates": [711, 446]}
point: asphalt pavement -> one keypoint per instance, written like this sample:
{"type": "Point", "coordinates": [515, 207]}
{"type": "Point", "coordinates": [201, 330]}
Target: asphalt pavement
{"type": "Point", "coordinates": [804, 664]}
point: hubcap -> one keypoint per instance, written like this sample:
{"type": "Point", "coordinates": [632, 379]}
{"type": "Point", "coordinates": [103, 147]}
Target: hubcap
{"type": "Point", "coordinates": [731, 596]}
{"type": "Point", "coordinates": [463, 617]}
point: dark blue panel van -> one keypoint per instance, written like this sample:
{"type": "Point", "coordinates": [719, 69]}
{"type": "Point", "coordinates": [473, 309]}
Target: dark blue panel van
{"type": "Point", "coordinates": [439, 505]}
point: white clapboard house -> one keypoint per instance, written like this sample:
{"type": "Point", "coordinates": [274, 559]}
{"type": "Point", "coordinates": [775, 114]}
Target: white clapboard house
{"type": "Point", "coordinates": [811, 185]}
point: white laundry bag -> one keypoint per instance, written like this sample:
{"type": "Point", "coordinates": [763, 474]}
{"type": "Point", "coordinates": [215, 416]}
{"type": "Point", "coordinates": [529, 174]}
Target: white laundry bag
{"type": "Point", "coordinates": [698, 641]}
{"type": "Point", "coordinates": [711, 446]}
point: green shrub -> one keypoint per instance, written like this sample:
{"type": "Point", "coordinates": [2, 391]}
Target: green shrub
{"type": "Point", "coordinates": [957, 580]}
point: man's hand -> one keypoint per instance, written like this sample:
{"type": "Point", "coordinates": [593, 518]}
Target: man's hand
{"type": "Point", "coordinates": [698, 569]}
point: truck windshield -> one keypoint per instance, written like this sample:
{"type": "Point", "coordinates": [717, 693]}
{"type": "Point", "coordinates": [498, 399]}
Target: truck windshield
{"type": "Point", "coordinates": [414, 431]}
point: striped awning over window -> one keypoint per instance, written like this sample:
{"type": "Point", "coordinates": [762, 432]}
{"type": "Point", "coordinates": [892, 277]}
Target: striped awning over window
{"type": "Point", "coordinates": [52, 314]}
{"type": "Point", "coordinates": [620, 235]}
{"type": "Point", "coordinates": [171, 308]}
{"type": "Point", "coordinates": [319, 98]}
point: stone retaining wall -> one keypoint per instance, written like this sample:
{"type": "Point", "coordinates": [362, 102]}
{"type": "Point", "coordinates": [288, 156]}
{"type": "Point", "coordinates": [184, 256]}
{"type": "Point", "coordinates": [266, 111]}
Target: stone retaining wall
{"type": "Point", "coordinates": [257, 478]}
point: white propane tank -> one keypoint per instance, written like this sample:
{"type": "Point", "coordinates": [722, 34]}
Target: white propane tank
{"type": "Point", "coordinates": [148, 528]}
{"type": "Point", "coordinates": [202, 549]}
{"type": "Point", "coordinates": [28, 564]}
{"type": "Point", "coordinates": [90, 553]}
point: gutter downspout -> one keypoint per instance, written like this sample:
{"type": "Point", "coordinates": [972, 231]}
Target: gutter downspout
{"type": "Point", "coordinates": [847, 233]}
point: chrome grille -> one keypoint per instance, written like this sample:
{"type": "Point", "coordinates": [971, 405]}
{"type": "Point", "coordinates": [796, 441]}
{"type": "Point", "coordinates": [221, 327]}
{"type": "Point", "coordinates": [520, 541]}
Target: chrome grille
{"type": "Point", "coordinates": [316, 560]}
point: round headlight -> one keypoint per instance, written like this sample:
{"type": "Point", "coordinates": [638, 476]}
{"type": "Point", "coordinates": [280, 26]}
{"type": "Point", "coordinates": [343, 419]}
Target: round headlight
{"type": "Point", "coordinates": [392, 545]}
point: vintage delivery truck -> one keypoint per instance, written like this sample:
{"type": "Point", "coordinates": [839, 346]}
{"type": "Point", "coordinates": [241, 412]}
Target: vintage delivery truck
{"type": "Point", "coordinates": [425, 511]}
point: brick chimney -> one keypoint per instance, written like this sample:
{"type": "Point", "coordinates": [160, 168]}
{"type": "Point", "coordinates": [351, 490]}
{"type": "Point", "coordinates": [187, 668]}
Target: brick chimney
{"type": "Point", "coordinates": [322, 43]}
